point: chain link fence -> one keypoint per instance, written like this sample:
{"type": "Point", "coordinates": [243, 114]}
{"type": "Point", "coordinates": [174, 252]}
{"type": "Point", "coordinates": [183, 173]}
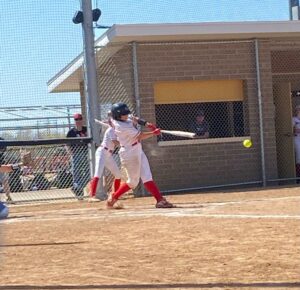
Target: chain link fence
{"type": "Point", "coordinates": [202, 87]}
{"type": "Point", "coordinates": [223, 91]}
{"type": "Point", "coordinates": [29, 112]}
{"type": "Point", "coordinates": [60, 170]}
{"type": "Point", "coordinates": [36, 122]}
{"type": "Point", "coordinates": [199, 87]}
{"type": "Point", "coordinates": [115, 73]}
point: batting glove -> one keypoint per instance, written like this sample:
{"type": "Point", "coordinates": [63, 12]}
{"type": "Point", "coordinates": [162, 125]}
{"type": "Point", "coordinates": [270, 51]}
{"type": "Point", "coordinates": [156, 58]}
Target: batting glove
{"type": "Point", "coordinates": [156, 131]}
{"type": "Point", "coordinates": [151, 126]}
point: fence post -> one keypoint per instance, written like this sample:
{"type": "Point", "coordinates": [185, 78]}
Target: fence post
{"type": "Point", "coordinates": [136, 88]}
{"type": "Point", "coordinates": [90, 80]}
{"type": "Point", "coordinates": [136, 79]}
{"type": "Point", "coordinates": [90, 70]}
{"type": "Point", "coordinates": [261, 122]}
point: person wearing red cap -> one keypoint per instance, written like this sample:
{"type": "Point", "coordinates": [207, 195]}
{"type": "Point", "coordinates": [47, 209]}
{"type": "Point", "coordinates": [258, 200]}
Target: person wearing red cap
{"type": "Point", "coordinates": [77, 117]}
{"type": "Point", "coordinates": [80, 165]}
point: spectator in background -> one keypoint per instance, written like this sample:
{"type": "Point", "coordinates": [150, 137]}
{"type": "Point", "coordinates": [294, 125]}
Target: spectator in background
{"type": "Point", "coordinates": [7, 168]}
{"type": "Point", "coordinates": [296, 129]}
{"type": "Point", "coordinates": [80, 165]}
{"type": "Point", "coordinates": [200, 126]}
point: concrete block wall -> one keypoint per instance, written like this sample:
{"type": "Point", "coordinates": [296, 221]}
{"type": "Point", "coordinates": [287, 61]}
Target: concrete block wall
{"type": "Point", "coordinates": [188, 166]}
{"type": "Point", "coordinates": [115, 77]}
{"type": "Point", "coordinates": [197, 165]}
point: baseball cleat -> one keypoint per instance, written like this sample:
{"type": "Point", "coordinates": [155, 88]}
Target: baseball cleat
{"type": "Point", "coordinates": [93, 199]}
{"type": "Point", "coordinates": [164, 204]}
{"type": "Point", "coordinates": [113, 203]}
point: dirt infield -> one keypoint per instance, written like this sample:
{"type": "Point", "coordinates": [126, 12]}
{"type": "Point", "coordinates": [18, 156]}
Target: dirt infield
{"type": "Point", "coordinates": [226, 240]}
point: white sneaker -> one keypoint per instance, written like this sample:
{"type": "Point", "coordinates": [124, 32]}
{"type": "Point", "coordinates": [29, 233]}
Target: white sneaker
{"type": "Point", "coordinates": [93, 199]}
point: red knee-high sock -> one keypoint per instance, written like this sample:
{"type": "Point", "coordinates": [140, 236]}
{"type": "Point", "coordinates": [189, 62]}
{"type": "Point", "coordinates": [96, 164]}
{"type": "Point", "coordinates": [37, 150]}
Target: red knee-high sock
{"type": "Point", "coordinates": [117, 183]}
{"type": "Point", "coordinates": [153, 189]}
{"type": "Point", "coordinates": [94, 184]}
{"type": "Point", "coordinates": [122, 189]}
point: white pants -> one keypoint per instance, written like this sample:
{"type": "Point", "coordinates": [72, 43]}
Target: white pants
{"type": "Point", "coordinates": [136, 164]}
{"type": "Point", "coordinates": [105, 159]}
{"type": "Point", "coordinates": [297, 149]}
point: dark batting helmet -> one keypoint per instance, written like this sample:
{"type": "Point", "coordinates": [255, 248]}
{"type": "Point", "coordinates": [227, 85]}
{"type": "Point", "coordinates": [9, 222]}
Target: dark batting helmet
{"type": "Point", "coordinates": [118, 110]}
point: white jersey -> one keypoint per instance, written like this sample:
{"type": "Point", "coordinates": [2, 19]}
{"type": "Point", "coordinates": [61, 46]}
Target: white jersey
{"type": "Point", "coordinates": [131, 153]}
{"type": "Point", "coordinates": [108, 138]}
{"type": "Point", "coordinates": [296, 124]}
{"type": "Point", "coordinates": [126, 132]}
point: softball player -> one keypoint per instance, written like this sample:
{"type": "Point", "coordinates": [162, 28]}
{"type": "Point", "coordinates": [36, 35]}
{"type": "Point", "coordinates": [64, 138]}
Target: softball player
{"type": "Point", "coordinates": [296, 128]}
{"type": "Point", "coordinates": [132, 156]}
{"type": "Point", "coordinates": [104, 158]}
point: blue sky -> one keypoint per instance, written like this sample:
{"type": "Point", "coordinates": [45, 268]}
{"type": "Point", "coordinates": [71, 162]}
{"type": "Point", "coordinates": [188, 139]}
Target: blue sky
{"type": "Point", "coordinates": [38, 37]}
{"type": "Point", "coordinates": [145, 11]}
{"type": "Point", "coordinates": [35, 45]}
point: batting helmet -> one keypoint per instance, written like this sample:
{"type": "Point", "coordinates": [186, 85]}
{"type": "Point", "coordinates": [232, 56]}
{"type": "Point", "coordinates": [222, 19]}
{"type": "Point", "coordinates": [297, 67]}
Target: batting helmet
{"type": "Point", "coordinates": [118, 110]}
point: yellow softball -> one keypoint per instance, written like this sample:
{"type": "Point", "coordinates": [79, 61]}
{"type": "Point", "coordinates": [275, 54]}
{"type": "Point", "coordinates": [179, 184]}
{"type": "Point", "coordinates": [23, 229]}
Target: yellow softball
{"type": "Point", "coordinates": [247, 143]}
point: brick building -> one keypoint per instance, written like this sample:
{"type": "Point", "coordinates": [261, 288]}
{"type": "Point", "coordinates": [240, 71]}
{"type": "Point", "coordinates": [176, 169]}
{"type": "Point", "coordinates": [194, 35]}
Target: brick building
{"type": "Point", "coordinates": [244, 76]}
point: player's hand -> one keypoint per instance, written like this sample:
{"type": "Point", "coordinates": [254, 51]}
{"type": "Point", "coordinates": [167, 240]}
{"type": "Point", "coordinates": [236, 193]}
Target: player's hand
{"type": "Point", "coordinates": [156, 132]}
{"type": "Point", "coordinates": [151, 126]}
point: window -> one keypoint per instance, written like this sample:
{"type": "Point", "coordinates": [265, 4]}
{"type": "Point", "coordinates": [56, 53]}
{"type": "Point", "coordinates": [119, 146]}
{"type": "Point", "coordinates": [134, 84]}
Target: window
{"type": "Point", "coordinates": [225, 119]}
{"type": "Point", "coordinates": [215, 106]}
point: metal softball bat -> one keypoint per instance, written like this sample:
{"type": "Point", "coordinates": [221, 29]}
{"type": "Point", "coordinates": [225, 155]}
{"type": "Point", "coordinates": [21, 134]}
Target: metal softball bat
{"type": "Point", "coordinates": [179, 133]}
{"type": "Point", "coordinates": [101, 123]}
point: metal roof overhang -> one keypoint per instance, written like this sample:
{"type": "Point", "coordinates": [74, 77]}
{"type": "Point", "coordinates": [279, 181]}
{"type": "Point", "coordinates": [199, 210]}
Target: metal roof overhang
{"type": "Point", "coordinates": [69, 78]}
